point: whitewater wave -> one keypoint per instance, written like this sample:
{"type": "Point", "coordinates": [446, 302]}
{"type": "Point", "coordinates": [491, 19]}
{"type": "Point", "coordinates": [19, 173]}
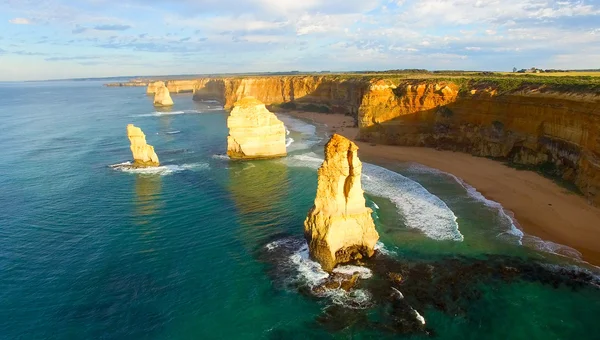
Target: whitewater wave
{"type": "Point", "coordinates": [300, 135]}
{"type": "Point", "coordinates": [297, 125]}
{"type": "Point", "coordinates": [168, 113]}
{"type": "Point", "coordinates": [513, 226]}
{"type": "Point", "coordinates": [421, 209]}
{"type": "Point", "coordinates": [306, 272]}
{"type": "Point", "coordinates": [220, 157]}
{"type": "Point", "coordinates": [162, 170]}
{"type": "Point", "coordinates": [381, 248]}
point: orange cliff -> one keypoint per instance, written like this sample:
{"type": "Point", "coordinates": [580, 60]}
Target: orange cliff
{"type": "Point", "coordinates": [557, 131]}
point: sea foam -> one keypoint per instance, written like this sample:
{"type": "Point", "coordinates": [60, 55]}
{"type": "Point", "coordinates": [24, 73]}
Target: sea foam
{"type": "Point", "coordinates": [162, 170]}
{"type": "Point", "coordinates": [300, 135]}
{"type": "Point", "coordinates": [513, 226]}
{"type": "Point", "coordinates": [421, 209]}
{"type": "Point", "coordinates": [168, 113]}
{"type": "Point", "coordinates": [309, 273]}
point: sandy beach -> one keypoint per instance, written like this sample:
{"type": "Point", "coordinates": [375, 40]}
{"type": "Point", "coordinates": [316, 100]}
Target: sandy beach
{"type": "Point", "coordinates": [541, 207]}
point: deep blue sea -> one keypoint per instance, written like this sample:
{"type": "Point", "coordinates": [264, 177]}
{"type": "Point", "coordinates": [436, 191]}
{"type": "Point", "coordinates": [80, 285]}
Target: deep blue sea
{"type": "Point", "coordinates": [206, 248]}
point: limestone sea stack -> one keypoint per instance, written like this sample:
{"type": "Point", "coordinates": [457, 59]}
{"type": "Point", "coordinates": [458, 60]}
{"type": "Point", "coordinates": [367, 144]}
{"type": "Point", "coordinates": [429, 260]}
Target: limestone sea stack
{"type": "Point", "coordinates": [254, 131]}
{"type": "Point", "coordinates": [339, 227]}
{"type": "Point", "coordinates": [143, 154]}
{"type": "Point", "coordinates": [162, 97]}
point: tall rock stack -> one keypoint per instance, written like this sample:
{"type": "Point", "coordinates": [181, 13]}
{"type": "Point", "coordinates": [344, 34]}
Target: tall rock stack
{"type": "Point", "coordinates": [143, 154]}
{"type": "Point", "coordinates": [254, 131]}
{"type": "Point", "coordinates": [339, 227]}
{"type": "Point", "coordinates": [162, 97]}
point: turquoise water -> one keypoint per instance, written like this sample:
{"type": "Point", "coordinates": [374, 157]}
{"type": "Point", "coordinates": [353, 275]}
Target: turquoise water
{"type": "Point", "coordinates": [207, 248]}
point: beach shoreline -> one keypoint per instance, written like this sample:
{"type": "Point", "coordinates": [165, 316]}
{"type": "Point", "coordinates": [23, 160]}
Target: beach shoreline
{"type": "Point", "coordinates": [540, 207]}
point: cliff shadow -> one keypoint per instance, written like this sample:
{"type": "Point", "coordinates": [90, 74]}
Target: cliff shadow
{"type": "Point", "coordinates": [329, 96]}
{"type": "Point", "coordinates": [212, 90]}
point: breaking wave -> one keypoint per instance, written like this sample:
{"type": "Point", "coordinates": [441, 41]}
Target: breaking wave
{"type": "Point", "coordinates": [513, 226]}
{"type": "Point", "coordinates": [302, 271]}
{"type": "Point", "coordinates": [162, 170]}
{"type": "Point", "coordinates": [300, 135]}
{"type": "Point", "coordinates": [167, 113]}
{"type": "Point", "coordinates": [421, 209]}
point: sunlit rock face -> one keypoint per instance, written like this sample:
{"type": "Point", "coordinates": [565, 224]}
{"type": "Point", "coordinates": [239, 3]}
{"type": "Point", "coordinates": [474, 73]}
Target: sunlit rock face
{"type": "Point", "coordinates": [254, 131]}
{"type": "Point", "coordinates": [162, 97]}
{"type": "Point", "coordinates": [339, 227]}
{"type": "Point", "coordinates": [143, 154]}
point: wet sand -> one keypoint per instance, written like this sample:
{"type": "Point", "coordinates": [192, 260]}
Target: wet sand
{"type": "Point", "coordinates": [541, 207]}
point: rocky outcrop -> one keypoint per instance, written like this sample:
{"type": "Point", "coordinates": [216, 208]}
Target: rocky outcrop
{"type": "Point", "coordinates": [143, 154]}
{"type": "Point", "coordinates": [339, 227]}
{"type": "Point", "coordinates": [162, 97]}
{"type": "Point", "coordinates": [254, 131]}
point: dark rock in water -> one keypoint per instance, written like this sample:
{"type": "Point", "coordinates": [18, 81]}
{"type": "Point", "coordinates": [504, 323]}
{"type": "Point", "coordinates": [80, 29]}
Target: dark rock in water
{"type": "Point", "coordinates": [395, 277]}
{"type": "Point", "coordinates": [350, 283]}
{"type": "Point", "coordinates": [337, 318]}
{"type": "Point", "coordinates": [399, 289]}
{"type": "Point", "coordinates": [337, 281]}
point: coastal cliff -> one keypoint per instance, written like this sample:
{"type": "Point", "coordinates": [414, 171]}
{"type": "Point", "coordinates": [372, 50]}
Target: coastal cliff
{"type": "Point", "coordinates": [254, 131]}
{"type": "Point", "coordinates": [536, 124]}
{"type": "Point", "coordinates": [143, 153]}
{"type": "Point", "coordinates": [313, 93]}
{"type": "Point", "coordinates": [339, 227]}
{"type": "Point", "coordinates": [556, 132]}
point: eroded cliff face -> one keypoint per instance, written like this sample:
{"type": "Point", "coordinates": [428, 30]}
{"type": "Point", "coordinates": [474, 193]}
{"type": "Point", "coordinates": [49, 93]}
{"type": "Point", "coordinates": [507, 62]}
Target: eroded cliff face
{"type": "Point", "coordinates": [143, 153]}
{"type": "Point", "coordinates": [254, 131]}
{"type": "Point", "coordinates": [320, 93]}
{"type": "Point", "coordinates": [339, 227]}
{"type": "Point", "coordinates": [557, 131]}
{"type": "Point", "coordinates": [533, 127]}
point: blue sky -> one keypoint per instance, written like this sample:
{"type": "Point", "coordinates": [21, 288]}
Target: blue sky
{"type": "Point", "coordinates": [48, 39]}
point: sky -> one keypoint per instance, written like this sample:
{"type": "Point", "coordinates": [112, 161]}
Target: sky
{"type": "Point", "coordinates": [55, 39]}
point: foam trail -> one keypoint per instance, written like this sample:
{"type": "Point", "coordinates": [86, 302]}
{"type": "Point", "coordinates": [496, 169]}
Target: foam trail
{"type": "Point", "coordinates": [514, 230]}
{"type": "Point", "coordinates": [300, 135]}
{"type": "Point", "coordinates": [162, 170]}
{"type": "Point", "coordinates": [166, 113]}
{"type": "Point", "coordinates": [421, 209]}
{"type": "Point", "coordinates": [310, 273]}
{"type": "Point", "coordinates": [221, 157]}
{"type": "Point", "coordinates": [473, 193]}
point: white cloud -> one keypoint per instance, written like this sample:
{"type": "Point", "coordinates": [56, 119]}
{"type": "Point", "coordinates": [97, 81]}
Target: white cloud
{"type": "Point", "coordinates": [20, 21]}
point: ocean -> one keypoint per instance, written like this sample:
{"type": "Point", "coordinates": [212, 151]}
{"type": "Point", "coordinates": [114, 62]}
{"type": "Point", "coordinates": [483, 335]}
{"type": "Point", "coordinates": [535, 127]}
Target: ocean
{"type": "Point", "coordinates": [206, 248]}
